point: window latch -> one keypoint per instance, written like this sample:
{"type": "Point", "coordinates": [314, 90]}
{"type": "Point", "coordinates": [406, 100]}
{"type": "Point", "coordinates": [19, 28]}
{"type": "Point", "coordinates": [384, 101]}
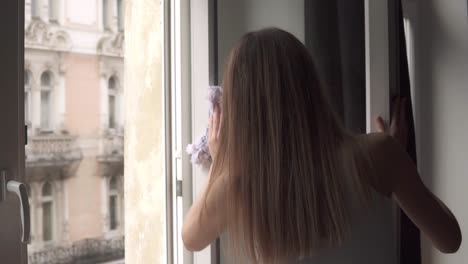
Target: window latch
{"type": "Point", "coordinates": [19, 189]}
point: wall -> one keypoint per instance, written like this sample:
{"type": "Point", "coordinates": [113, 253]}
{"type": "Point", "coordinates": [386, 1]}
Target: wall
{"type": "Point", "coordinates": [440, 54]}
{"type": "Point", "coordinates": [145, 192]}
{"type": "Point", "coordinates": [84, 214]}
{"type": "Point", "coordinates": [236, 18]}
{"type": "Point", "coordinates": [82, 101]}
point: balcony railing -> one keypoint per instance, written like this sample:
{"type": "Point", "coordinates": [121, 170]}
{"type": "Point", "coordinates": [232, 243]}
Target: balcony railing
{"type": "Point", "coordinates": [88, 251]}
{"type": "Point", "coordinates": [111, 147]}
{"type": "Point", "coordinates": [51, 156]}
{"type": "Point", "coordinates": [52, 148]}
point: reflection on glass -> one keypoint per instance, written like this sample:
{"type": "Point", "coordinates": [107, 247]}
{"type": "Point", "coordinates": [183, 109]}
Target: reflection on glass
{"type": "Point", "coordinates": [73, 105]}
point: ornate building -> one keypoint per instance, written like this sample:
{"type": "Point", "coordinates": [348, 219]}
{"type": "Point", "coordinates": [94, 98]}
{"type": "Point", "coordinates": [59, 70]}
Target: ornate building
{"type": "Point", "coordinates": [74, 112]}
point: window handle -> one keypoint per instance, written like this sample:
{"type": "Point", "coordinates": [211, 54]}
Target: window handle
{"type": "Point", "coordinates": [21, 192]}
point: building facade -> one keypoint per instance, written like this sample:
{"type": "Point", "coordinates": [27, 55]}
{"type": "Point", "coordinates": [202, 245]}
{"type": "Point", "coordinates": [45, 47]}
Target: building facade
{"type": "Point", "coordinates": [73, 80]}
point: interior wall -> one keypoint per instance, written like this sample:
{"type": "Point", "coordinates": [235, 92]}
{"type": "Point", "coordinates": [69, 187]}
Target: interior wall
{"type": "Point", "coordinates": [440, 66]}
{"type": "Point", "coordinates": [236, 18]}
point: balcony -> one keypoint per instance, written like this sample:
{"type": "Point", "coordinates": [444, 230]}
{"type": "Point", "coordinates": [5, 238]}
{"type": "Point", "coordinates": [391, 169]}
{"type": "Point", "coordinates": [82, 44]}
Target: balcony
{"type": "Point", "coordinates": [111, 153]}
{"type": "Point", "coordinates": [51, 156]}
{"type": "Point", "coordinates": [86, 251]}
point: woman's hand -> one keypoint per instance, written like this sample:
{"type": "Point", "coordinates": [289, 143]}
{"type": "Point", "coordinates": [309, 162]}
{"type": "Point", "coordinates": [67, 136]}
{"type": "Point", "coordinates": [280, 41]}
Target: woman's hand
{"type": "Point", "coordinates": [213, 132]}
{"type": "Point", "coordinates": [399, 123]}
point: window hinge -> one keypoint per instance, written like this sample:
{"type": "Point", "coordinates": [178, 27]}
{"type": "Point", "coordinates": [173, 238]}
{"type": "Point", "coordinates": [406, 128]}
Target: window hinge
{"type": "Point", "coordinates": [179, 188]}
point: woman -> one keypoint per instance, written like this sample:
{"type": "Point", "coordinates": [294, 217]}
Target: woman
{"type": "Point", "coordinates": [287, 181]}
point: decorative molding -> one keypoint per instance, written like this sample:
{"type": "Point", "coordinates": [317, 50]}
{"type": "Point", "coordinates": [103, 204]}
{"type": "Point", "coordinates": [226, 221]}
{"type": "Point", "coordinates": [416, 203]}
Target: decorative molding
{"type": "Point", "coordinates": [39, 33]}
{"type": "Point", "coordinates": [112, 45]}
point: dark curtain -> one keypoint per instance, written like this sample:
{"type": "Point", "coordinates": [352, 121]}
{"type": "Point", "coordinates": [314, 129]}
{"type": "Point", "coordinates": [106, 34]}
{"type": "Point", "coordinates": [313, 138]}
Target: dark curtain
{"type": "Point", "coordinates": [335, 36]}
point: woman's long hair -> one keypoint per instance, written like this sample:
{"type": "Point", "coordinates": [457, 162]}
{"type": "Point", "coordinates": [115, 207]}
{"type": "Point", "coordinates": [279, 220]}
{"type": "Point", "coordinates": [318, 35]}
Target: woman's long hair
{"type": "Point", "coordinates": [281, 149]}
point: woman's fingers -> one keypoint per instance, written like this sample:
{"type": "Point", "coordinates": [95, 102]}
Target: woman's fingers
{"type": "Point", "coordinates": [380, 124]}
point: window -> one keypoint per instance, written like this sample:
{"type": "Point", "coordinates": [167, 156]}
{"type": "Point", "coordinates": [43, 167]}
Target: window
{"type": "Point", "coordinates": [120, 15]}
{"type": "Point", "coordinates": [106, 14]}
{"type": "Point", "coordinates": [35, 9]}
{"type": "Point", "coordinates": [27, 89]}
{"type": "Point", "coordinates": [68, 112]}
{"type": "Point", "coordinates": [53, 10]}
{"type": "Point", "coordinates": [112, 85]}
{"type": "Point", "coordinates": [46, 87]}
{"type": "Point", "coordinates": [113, 203]}
{"type": "Point", "coordinates": [47, 211]}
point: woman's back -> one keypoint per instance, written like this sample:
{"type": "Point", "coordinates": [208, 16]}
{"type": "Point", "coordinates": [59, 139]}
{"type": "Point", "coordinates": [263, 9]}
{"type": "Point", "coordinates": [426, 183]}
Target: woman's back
{"type": "Point", "coordinates": [288, 180]}
{"type": "Point", "coordinates": [372, 235]}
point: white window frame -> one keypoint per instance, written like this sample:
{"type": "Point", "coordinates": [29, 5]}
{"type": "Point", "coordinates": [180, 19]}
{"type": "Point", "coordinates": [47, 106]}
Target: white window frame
{"type": "Point", "coordinates": [178, 115]}
{"type": "Point", "coordinates": [377, 51]}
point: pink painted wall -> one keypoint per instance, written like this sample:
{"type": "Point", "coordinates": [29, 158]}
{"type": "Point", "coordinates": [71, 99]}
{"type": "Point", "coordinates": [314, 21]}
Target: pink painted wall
{"type": "Point", "coordinates": [82, 94]}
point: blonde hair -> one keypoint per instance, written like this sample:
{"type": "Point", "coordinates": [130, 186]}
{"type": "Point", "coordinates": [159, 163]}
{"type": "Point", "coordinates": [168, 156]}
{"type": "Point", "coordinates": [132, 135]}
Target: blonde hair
{"type": "Point", "coordinates": [282, 147]}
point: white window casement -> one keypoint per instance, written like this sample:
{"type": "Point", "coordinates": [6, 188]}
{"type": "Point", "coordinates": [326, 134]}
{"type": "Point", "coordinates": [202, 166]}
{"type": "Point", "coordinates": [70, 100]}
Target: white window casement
{"type": "Point", "coordinates": [46, 101]}
{"type": "Point", "coordinates": [47, 208]}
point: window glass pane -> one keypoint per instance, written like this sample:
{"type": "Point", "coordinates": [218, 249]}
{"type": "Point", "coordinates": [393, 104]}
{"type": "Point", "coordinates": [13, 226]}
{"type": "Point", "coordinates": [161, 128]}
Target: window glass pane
{"type": "Point", "coordinates": [45, 79]}
{"type": "Point", "coordinates": [105, 14]}
{"type": "Point", "coordinates": [71, 153]}
{"type": "Point", "coordinates": [113, 184]}
{"type": "Point", "coordinates": [120, 14]}
{"type": "Point", "coordinates": [53, 10]}
{"type": "Point", "coordinates": [35, 8]}
{"type": "Point", "coordinates": [112, 83]}
{"type": "Point", "coordinates": [45, 109]}
{"type": "Point", "coordinates": [111, 111]}
{"type": "Point", "coordinates": [113, 212]}
{"type": "Point", "coordinates": [47, 189]}
{"type": "Point", "coordinates": [47, 221]}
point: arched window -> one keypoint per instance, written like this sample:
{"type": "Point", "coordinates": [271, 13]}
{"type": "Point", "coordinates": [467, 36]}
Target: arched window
{"type": "Point", "coordinates": [47, 201]}
{"type": "Point", "coordinates": [112, 91]}
{"type": "Point", "coordinates": [27, 95]}
{"type": "Point", "coordinates": [46, 90]}
{"type": "Point", "coordinates": [113, 203]}
{"type": "Point", "coordinates": [53, 10]}
{"type": "Point", "coordinates": [35, 9]}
